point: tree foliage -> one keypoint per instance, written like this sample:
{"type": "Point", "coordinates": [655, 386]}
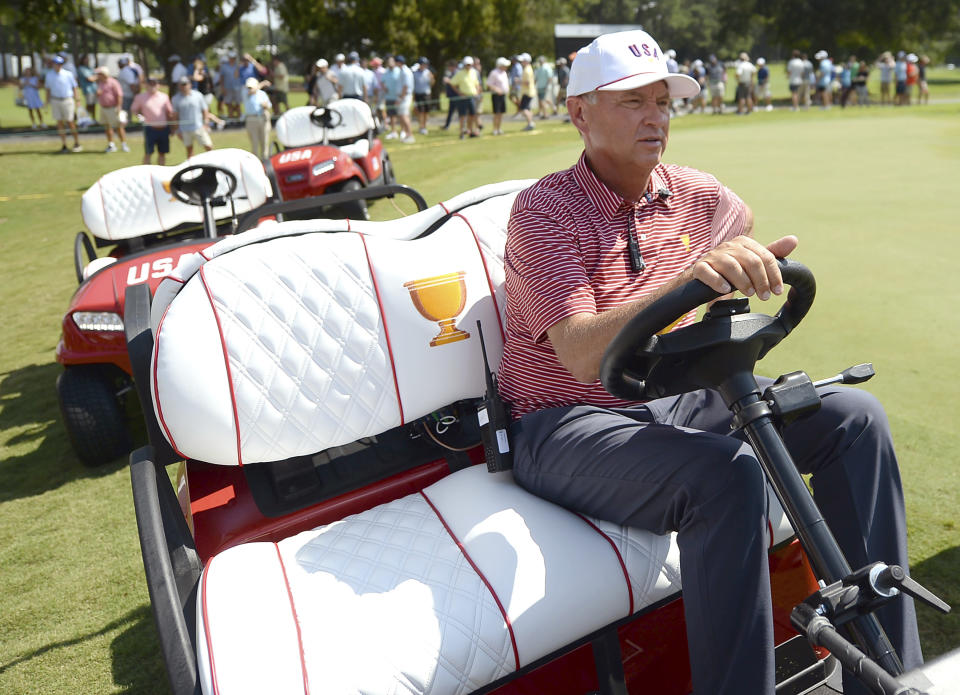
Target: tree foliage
{"type": "Point", "coordinates": [442, 29]}
{"type": "Point", "coordinates": [39, 23]}
{"type": "Point", "coordinates": [184, 27]}
{"type": "Point", "coordinates": [438, 29]}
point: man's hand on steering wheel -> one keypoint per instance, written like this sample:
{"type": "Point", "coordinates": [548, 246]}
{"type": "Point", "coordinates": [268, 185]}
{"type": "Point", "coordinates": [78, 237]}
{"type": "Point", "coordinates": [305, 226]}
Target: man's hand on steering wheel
{"type": "Point", "coordinates": [745, 264]}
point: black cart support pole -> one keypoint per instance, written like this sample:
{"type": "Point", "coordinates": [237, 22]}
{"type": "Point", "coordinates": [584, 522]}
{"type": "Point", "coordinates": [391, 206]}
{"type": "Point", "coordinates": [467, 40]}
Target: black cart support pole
{"type": "Point", "coordinates": [821, 547]}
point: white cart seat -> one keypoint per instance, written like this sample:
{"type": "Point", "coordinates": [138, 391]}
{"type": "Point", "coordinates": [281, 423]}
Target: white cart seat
{"type": "Point", "coordinates": [136, 201]}
{"type": "Point", "coordinates": [295, 129]}
{"type": "Point", "coordinates": [438, 593]}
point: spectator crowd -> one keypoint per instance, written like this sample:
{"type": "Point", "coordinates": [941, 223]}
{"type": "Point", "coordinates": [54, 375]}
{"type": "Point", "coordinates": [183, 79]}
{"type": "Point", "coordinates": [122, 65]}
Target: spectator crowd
{"type": "Point", "coordinates": [402, 94]}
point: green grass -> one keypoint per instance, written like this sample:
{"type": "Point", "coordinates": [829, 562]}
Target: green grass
{"type": "Point", "coordinates": [870, 193]}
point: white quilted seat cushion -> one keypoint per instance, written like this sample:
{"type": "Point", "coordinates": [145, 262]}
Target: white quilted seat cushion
{"type": "Point", "coordinates": [441, 592]}
{"type": "Point", "coordinates": [307, 341]}
{"type": "Point", "coordinates": [135, 201]}
{"type": "Point", "coordinates": [356, 150]}
{"type": "Point", "coordinates": [295, 129]}
{"type": "Point", "coordinates": [98, 264]}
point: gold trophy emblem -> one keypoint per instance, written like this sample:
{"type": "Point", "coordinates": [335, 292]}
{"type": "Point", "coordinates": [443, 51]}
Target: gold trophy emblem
{"type": "Point", "coordinates": [441, 298]}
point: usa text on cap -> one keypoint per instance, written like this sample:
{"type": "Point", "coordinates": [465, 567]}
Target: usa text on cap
{"type": "Point", "coordinates": [625, 60]}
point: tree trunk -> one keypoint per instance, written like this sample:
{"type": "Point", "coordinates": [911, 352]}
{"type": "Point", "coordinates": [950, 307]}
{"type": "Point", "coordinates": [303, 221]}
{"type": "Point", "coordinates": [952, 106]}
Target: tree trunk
{"type": "Point", "coordinates": [4, 52]}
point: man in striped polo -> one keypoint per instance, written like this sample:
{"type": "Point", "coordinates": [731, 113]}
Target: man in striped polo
{"type": "Point", "coordinates": [573, 282]}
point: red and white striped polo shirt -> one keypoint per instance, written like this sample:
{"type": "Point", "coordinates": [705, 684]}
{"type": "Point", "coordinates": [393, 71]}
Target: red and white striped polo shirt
{"type": "Point", "coordinates": [567, 253]}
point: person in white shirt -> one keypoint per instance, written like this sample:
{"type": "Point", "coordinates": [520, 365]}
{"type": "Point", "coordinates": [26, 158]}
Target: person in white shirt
{"type": "Point", "coordinates": [352, 80]}
{"type": "Point", "coordinates": [337, 66]}
{"type": "Point", "coordinates": [498, 82]}
{"type": "Point", "coordinates": [795, 78]}
{"type": "Point", "coordinates": [405, 101]}
{"type": "Point", "coordinates": [745, 74]}
{"type": "Point", "coordinates": [176, 72]}
{"type": "Point", "coordinates": [61, 91]}
{"type": "Point", "coordinates": [130, 81]}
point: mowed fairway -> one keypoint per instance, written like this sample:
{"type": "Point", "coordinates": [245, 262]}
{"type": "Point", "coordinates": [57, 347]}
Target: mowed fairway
{"type": "Point", "coordinates": [871, 193]}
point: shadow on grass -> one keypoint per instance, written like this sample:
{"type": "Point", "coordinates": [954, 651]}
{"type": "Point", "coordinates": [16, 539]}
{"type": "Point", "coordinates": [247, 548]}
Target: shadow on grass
{"type": "Point", "coordinates": [939, 633]}
{"type": "Point", "coordinates": [137, 661]}
{"type": "Point", "coordinates": [136, 651]}
{"type": "Point", "coordinates": [30, 417]}
{"type": "Point", "coordinates": [52, 150]}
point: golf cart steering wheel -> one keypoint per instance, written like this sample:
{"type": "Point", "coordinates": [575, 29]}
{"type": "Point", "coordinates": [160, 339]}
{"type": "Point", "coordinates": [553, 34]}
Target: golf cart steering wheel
{"type": "Point", "coordinates": [641, 364]}
{"type": "Point", "coordinates": [199, 182]}
{"type": "Point", "coordinates": [326, 118]}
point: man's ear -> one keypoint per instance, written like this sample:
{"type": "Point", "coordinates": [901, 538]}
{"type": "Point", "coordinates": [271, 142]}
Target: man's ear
{"type": "Point", "coordinates": [575, 109]}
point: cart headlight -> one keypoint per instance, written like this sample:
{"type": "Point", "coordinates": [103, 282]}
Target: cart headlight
{"type": "Point", "coordinates": [324, 166]}
{"type": "Point", "coordinates": [98, 321]}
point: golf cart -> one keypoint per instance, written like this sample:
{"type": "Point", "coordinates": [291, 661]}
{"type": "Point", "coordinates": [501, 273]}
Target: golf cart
{"type": "Point", "coordinates": [149, 217]}
{"type": "Point", "coordinates": [332, 527]}
{"type": "Point", "coordinates": [328, 149]}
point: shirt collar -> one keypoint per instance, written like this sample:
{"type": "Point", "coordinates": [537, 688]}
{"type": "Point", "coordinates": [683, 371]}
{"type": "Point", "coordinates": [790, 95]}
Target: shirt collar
{"type": "Point", "coordinates": [608, 202]}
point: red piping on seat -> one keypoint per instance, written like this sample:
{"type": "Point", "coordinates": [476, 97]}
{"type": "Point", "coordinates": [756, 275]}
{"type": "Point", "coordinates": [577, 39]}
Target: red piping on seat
{"type": "Point", "coordinates": [770, 527]}
{"type": "Point", "coordinates": [623, 565]}
{"type": "Point", "coordinates": [486, 270]}
{"type": "Point", "coordinates": [296, 621]}
{"type": "Point", "coordinates": [483, 578]}
{"type": "Point", "coordinates": [206, 625]}
{"type": "Point", "coordinates": [226, 361]}
{"type": "Point", "coordinates": [386, 331]}
{"type": "Point", "coordinates": [444, 208]}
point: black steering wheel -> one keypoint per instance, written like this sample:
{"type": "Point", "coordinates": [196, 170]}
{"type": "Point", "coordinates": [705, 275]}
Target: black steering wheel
{"type": "Point", "coordinates": [641, 364]}
{"type": "Point", "coordinates": [326, 118]}
{"type": "Point", "coordinates": [199, 182]}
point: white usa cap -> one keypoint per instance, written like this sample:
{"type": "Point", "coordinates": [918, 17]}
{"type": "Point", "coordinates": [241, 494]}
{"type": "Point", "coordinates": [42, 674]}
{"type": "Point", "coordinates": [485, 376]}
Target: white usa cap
{"type": "Point", "coordinates": [625, 60]}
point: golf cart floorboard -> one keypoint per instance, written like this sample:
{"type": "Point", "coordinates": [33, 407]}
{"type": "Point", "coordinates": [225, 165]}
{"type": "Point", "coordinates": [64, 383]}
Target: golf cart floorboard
{"type": "Point", "coordinates": [834, 683]}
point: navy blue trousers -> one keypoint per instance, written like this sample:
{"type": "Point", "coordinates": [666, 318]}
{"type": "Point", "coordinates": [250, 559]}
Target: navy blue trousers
{"type": "Point", "coordinates": [672, 465]}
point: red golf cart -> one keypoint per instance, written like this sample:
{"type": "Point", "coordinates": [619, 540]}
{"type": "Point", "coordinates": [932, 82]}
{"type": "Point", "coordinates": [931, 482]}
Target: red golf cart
{"type": "Point", "coordinates": [333, 528]}
{"type": "Point", "coordinates": [330, 149]}
{"type": "Point", "coordinates": [149, 218]}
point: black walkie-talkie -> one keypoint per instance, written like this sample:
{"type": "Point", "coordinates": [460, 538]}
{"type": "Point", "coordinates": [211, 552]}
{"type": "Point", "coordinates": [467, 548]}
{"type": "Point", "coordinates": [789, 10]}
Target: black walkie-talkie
{"type": "Point", "coordinates": [493, 419]}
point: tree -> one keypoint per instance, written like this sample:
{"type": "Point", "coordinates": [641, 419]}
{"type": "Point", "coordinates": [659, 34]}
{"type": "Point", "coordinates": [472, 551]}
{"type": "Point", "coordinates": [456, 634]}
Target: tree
{"type": "Point", "coordinates": [859, 25]}
{"type": "Point", "coordinates": [437, 29]}
{"type": "Point", "coordinates": [185, 27]}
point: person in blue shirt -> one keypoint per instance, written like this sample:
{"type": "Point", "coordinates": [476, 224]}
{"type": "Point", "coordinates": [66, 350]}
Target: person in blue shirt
{"type": "Point", "coordinates": [87, 82]}
{"type": "Point", "coordinates": [393, 83]}
{"type": "Point", "coordinates": [249, 67]}
{"type": "Point", "coordinates": [423, 80]}
{"type": "Point", "coordinates": [900, 76]}
{"type": "Point", "coordinates": [825, 78]}
{"type": "Point", "coordinates": [763, 84]}
{"type": "Point", "coordinates": [256, 117]}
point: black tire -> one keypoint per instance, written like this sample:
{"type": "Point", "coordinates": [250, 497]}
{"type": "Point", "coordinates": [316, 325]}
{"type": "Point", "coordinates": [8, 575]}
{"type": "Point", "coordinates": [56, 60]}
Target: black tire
{"type": "Point", "coordinates": [388, 175]}
{"type": "Point", "coordinates": [354, 209]}
{"type": "Point", "coordinates": [92, 414]}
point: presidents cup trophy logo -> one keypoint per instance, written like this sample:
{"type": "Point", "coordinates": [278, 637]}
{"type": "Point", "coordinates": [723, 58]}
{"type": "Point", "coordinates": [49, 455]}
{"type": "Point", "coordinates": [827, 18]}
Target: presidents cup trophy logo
{"type": "Point", "coordinates": [441, 298]}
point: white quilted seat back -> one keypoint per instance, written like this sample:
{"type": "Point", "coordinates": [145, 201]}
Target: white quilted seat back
{"type": "Point", "coordinates": [292, 342]}
{"type": "Point", "coordinates": [136, 201]}
{"type": "Point", "coordinates": [295, 129]}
